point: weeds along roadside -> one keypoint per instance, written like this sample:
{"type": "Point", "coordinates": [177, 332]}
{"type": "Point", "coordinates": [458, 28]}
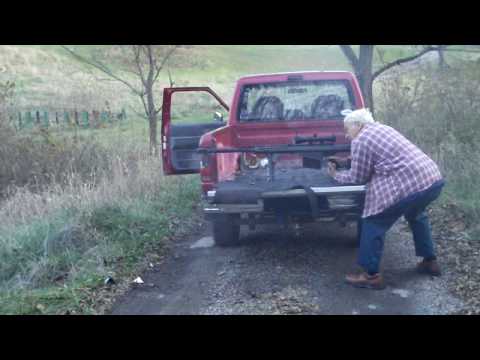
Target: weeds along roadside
{"type": "Point", "coordinates": [438, 110]}
{"type": "Point", "coordinates": [61, 240]}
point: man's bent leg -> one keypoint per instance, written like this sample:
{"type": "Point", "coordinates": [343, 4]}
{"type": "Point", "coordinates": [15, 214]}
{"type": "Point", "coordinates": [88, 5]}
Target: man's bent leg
{"type": "Point", "coordinates": [372, 239]}
{"type": "Point", "coordinates": [419, 224]}
{"type": "Point", "coordinates": [422, 236]}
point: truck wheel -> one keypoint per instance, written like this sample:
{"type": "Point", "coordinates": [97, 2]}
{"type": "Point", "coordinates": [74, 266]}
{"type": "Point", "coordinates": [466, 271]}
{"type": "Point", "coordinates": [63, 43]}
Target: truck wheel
{"type": "Point", "coordinates": [225, 231]}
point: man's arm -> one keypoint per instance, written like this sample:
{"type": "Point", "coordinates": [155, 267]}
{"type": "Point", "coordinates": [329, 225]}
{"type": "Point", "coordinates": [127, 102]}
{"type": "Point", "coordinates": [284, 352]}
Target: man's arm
{"type": "Point", "coordinates": [362, 165]}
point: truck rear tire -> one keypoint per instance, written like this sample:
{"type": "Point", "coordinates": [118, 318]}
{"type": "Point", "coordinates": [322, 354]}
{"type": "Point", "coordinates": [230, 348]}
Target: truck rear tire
{"type": "Point", "coordinates": [226, 232]}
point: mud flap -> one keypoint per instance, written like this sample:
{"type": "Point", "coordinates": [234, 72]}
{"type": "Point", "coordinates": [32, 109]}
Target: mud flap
{"type": "Point", "coordinates": [312, 198]}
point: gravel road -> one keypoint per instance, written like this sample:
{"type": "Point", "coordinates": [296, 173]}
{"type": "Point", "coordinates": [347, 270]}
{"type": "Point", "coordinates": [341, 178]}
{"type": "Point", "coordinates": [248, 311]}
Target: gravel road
{"type": "Point", "coordinates": [278, 272]}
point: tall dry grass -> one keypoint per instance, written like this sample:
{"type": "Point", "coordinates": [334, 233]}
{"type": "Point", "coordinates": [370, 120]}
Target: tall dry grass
{"type": "Point", "coordinates": [38, 158]}
{"type": "Point", "coordinates": [97, 216]}
{"type": "Point", "coordinates": [124, 178]}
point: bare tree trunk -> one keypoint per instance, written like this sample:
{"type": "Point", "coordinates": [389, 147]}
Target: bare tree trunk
{"type": "Point", "coordinates": [442, 64]}
{"type": "Point", "coordinates": [151, 113]}
{"type": "Point", "coordinates": [152, 119]}
{"type": "Point", "coordinates": [362, 66]}
{"type": "Point", "coordinates": [364, 74]}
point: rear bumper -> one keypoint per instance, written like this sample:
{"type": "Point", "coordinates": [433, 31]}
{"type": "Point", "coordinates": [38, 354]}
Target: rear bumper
{"type": "Point", "coordinates": [341, 199]}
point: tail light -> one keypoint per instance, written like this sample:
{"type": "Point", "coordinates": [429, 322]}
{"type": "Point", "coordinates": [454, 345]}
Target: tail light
{"type": "Point", "coordinates": [207, 167]}
{"type": "Point", "coordinates": [205, 161]}
{"type": "Point", "coordinates": [254, 161]}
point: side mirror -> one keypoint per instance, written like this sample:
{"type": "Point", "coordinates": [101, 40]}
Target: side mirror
{"type": "Point", "coordinates": [218, 116]}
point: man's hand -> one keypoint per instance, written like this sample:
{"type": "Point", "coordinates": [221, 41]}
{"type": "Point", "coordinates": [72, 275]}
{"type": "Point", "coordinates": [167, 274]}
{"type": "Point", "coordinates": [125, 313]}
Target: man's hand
{"type": "Point", "coordinates": [332, 168]}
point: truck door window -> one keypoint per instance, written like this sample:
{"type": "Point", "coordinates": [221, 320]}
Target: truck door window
{"type": "Point", "coordinates": [289, 101]}
{"type": "Point", "coordinates": [196, 108]}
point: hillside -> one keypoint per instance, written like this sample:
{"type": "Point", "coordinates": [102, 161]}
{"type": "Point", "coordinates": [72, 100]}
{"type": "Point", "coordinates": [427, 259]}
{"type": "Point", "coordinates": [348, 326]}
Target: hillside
{"type": "Point", "coordinates": [46, 76]}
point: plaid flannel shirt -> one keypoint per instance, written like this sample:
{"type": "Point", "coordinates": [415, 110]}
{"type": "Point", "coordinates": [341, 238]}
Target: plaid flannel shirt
{"type": "Point", "coordinates": [390, 165]}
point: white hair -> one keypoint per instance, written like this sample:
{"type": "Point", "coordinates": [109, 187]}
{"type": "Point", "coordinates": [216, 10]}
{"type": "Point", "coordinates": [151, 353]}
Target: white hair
{"type": "Point", "coordinates": [358, 117]}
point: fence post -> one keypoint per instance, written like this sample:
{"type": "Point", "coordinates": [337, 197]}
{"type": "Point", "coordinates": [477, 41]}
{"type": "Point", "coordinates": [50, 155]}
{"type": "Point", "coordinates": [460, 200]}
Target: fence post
{"type": "Point", "coordinates": [37, 116]}
{"type": "Point", "coordinates": [29, 120]}
{"type": "Point", "coordinates": [76, 118]}
{"type": "Point", "coordinates": [56, 118]}
{"type": "Point", "coordinates": [20, 120]}
{"type": "Point", "coordinates": [86, 121]}
{"type": "Point", "coordinates": [96, 120]}
{"type": "Point", "coordinates": [46, 120]}
{"type": "Point", "coordinates": [66, 117]}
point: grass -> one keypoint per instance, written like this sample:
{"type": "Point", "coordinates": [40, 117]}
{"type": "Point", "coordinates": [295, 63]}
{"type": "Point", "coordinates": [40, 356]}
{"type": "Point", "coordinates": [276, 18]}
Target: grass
{"type": "Point", "coordinates": [58, 247]}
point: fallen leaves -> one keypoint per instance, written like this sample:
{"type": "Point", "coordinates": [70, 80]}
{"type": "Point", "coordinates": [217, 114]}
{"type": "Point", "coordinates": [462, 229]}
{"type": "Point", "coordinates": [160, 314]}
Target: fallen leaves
{"type": "Point", "coordinates": [459, 251]}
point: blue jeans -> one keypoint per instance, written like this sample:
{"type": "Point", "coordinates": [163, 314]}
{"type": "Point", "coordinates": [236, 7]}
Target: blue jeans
{"type": "Point", "coordinates": [373, 228]}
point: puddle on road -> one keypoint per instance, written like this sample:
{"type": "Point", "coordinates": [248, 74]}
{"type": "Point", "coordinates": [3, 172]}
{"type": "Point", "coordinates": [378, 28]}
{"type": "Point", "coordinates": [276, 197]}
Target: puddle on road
{"type": "Point", "coordinates": [204, 242]}
{"type": "Point", "coordinates": [401, 292]}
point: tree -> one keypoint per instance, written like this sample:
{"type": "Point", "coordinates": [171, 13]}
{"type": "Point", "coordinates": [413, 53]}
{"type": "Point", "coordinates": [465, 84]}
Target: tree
{"type": "Point", "coordinates": [441, 57]}
{"type": "Point", "coordinates": [363, 66]}
{"type": "Point", "coordinates": [145, 63]}
{"type": "Point", "coordinates": [7, 90]}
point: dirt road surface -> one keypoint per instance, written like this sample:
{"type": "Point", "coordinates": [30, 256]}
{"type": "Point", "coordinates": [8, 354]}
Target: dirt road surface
{"type": "Point", "coordinates": [277, 272]}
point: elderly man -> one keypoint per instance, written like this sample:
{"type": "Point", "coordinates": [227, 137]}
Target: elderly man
{"type": "Point", "coordinates": [401, 180]}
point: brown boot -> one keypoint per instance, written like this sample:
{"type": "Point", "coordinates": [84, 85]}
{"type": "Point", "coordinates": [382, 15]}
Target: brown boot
{"type": "Point", "coordinates": [364, 280]}
{"type": "Point", "coordinates": [429, 267]}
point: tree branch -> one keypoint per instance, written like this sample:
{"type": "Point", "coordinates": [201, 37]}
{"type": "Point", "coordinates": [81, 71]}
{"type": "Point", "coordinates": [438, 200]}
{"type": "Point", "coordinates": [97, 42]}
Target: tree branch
{"type": "Point", "coordinates": [463, 50]}
{"type": "Point", "coordinates": [350, 54]}
{"type": "Point", "coordinates": [144, 104]}
{"type": "Point", "coordinates": [172, 83]}
{"type": "Point", "coordinates": [170, 80]}
{"type": "Point", "coordinates": [151, 63]}
{"type": "Point", "coordinates": [100, 67]}
{"type": "Point", "coordinates": [403, 60]}
{"type": "Point", "coordinates": [137, 61]}
{"type": "Point", "coordinates": [164, 61]}
{"type": "Point", "coordinates": [158, 110]}
{"type": "Point", "coordinates": [137, 113]}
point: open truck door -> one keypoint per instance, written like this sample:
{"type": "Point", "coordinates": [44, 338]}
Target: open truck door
{"type": "Point", "coordinates": [187, 114]}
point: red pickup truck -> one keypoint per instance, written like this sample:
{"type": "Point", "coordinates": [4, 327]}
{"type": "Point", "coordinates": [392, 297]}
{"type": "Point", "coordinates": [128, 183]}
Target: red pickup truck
{"type": "Point", "coordinates": [268, 162]}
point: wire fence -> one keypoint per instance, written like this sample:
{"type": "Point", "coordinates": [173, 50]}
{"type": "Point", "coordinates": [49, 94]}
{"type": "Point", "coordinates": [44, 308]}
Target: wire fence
{"type": "Point", "coordinates": [23, 120]}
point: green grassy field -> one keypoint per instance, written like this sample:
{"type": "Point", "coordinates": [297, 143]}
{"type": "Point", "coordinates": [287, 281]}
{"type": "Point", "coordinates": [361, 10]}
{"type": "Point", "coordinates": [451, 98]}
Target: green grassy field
{"type": "Point", "coordinates": [47, 76]}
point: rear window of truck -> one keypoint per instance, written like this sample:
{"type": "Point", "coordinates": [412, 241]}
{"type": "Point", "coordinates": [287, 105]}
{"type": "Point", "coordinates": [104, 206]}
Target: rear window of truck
{"type": "Point", "coordinates": [290, 101]}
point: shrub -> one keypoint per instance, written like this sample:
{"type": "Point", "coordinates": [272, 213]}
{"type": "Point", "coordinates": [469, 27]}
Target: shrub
{"type": "Point", "coordinates": [39, 159]}
{"type": "Point", "coordinates": [439, 111]}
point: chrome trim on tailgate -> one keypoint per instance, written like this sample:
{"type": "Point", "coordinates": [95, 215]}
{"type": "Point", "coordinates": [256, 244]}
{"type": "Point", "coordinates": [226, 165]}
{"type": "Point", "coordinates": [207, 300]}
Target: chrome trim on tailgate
{"type": "Point", "coordinates": [330, 190]}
